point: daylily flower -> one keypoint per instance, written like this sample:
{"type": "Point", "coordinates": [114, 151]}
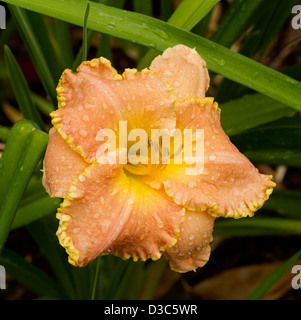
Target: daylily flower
{"type": "Point", "coordinates": [143, 211]}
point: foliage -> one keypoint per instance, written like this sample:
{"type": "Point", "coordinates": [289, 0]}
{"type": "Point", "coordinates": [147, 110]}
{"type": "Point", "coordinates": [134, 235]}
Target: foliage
{"type": "Point", "coordinates": [260, 111]}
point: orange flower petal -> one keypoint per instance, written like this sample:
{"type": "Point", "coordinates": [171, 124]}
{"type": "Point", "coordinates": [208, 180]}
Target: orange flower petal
{"type": "Point", "coordinates": [184, 70]}
{"type": "Point", "coordinates": [98, 98]}
{"type": "Point", "coordinates": [107, 211]}
{"type": "Point", "coordinates": [192, 250]}
{"type": "Point", "coordinates": [230, 185]}
{"type": "Point", "coordinates": [61, 165]}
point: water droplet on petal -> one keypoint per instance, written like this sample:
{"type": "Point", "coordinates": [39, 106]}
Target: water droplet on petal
{"type": "Point", "coordinates": [212, 157]}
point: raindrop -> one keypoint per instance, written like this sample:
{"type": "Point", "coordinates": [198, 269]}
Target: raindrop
{"type": "Point", "coordinates": [191, 237]}
{"type": "Point", "coordinates": [111, 26]}
{"type": "Point", "coordinates": [162, 34]}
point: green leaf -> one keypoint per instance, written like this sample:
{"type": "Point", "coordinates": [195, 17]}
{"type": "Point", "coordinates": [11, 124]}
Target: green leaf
{"type": "Point", "coordinates": [186, 16]}
{"type": "Point", "coordinates": [251, 111]}
{"type": "Point", "coordinates": [116, 278]}
{"type": "Point", "coordinates": [144, 7]}
{"type": "Point", "coordinates": [190, 12]}
{"type": "Point", "coordinates": [273, 144]}
{"type": "Point", "coordinates": [47, 43]}
{"type": "Point", "coordinates": [152, 278]}
{"type": "Point", "coordinates": [78, 59]}
{"type": "Point", "coordinates": [29, 275]}
{"type": "Point", "coordinates": [166, 9]}
{"type": "Point", "coordinates": [286, 203]}
{"type": "Point", "coordinates": [33, 46]}
{"type": "Point", "coordinates": [104, 46]}
{"type": "Point", "coordinates": [43, 232]}
{"type": "Point", "coordinates": [34, 205]}
{"type": "Point", "coordinates": [238, 18]}
{"type": "Point", "coordinates": [62, 35]}
{"type": "Point", "coordinates": [274, 277]}
{"type": "Point", "coordinates": [159, 35]}
{"type": "Point", "coordinates": [85, 44]}
{"type": "Point", "coordinates": [24, 149]}
{"type": "Point", "coordinates": [4, 133]}
{"type": "Point", "coordinates": [267, 24]}
{"type": "Point", "coordinates": [42, 104]}
{"type": "Point", "coordinates": [258, 225]}
{"type": "Point", "coordinates": [21, 89]}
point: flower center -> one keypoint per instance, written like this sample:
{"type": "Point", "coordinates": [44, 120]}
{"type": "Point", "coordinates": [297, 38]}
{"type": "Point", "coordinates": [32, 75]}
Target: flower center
{"type": "Point", "coordinates": [156, 154]}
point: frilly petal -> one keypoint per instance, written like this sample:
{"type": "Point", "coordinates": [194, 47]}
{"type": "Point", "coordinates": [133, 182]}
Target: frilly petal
{"type": "Point", "coordinates": [229, 185]}
{"type": "Point", "coordinates": [192, 249]}
{"type": "Point", "coordinates": [107, 211]}
{"type": "Point", "coordinates": [98, 98]}
{"type": "Point", "coordinates": [61, 165]}
{"type": "Point", "coordinates": [184, 70]}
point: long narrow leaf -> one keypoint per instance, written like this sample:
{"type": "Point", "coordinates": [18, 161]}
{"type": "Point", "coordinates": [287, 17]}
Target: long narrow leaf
{"type": "Point", "coordinates": [47, 43]}
{"type": "Point", "coordinates": [190, 12]}
{"type": "Point", "coordinates": [267, 25]}
{"type": "Point", "coordinates": [21, 89]}
{"type": "Point", "coordinates": [85, 44]}
{"type": "Point", "coordinates": [186, 16]}
{"type": "Point", "coordinates": [62, 34]}
{"type": "Point", "coordinates": [4, 133]}
{"type": "Point", "coordinates": [273, 144]}
{"type": "Point", "coordinates": [43, 232]}
{"type": "Point", "coordinates": [23, 151]}
{"type": "Point", "coordinates": [274, 277]}
{"type": "Point", "coordinates": [286, 202]}
{"type": "Point", "coordinates": [35, 210]}
{"type": "Point", "coordinates": [251, 111]}
{"type": "Point", "coordinates": [35, 51]}
{"type": "Point", "coordinates": [159, 35]}
{"type": "Point", "coordinates": [257, 226]}
{"type": "Point", "coordinates": [32, 277]}
{"type": "Point", "coordinates": [237, 19]}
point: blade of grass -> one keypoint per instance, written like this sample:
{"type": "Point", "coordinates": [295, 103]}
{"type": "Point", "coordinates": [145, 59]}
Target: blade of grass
{"type": "Point", "coordinates": [35, 51]}
{"type": "Point", "coordinates": [190, 12]}
{"type": "Point", "coordinates": [133, 277]}
{"type": "Point", "coordinates": [95, 281]}
{"type": "Point", "coordinates": [85, 44]}
{"type": "Point", "coordinates": [104, 42]}
{"type": "Point", "coordinates": [286, 203]}
{"type": "Point", "coordinates": [257, 225]}
{"type": "Point", "coordinates": [201, 28]}
{"type": "Point", "coordinates": [116, 278]}
{"type": "Point", "coordinates": [159, 35]}
{"type": "Point", "coordinates": [43, 233]}
{"type": "Point", "coordinates": [265, 29]}
{"type": "Point", "coordinates": [238, 18]}
{"type": "Point", "coordinates": [24, 149]}
{"type": "Point", "coordinates": [165, 9]}
{"type": "Point", "coordinates": [4, 133]}
{"type": "Point", "coordinates": [62, 35]}
{"type": "Point", "coordinates": [274, 277]}
{"type": "Point", "coordinates": [42, 104]}
{"type": "Point", "coordinates": [145, 7]}
{"type": "Point", "coordinates": [186, 16]}
{"type": "Point", "coordinates": [80, 54]}
{"type": "Point", "coordinates": [251, 111]}
{"type": "Point", "coordinates": [35, 210]}
{"type": "Point", "coordinates": [21, 89]}
{"type": "Point", "coordinates": [281, 143]}
{"type": "Point", "coordinates": [104, 46]}
{"type": "Point", "coordinates": [153, 276]}
{"type": "Point", "coordinates": [29, 275]}
{"type": "Point", "coordinates": [47, 43]}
